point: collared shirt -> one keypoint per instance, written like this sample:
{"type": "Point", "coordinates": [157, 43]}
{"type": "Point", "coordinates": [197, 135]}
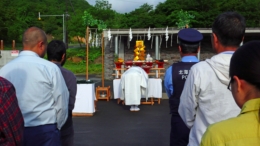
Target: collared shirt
{"type": "Point", "coordinates": [168, 75]}
{"type": "Point", "coordinates": [243, 130]}
{"type": "Point", "coordinates": [11, 125]}
{"type": "Point", "coordinates": [40, 88]}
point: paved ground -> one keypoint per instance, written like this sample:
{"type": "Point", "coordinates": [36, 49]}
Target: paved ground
{"type": "Point", "coordinates": [115, 125]}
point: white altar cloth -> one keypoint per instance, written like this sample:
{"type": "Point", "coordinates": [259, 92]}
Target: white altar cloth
{"type": "Point", "coordinates": [85, 99]}
{"type": "Point", "coordinates": [154, 88]}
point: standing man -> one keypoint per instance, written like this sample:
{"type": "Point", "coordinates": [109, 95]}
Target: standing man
{"type": "Point", "coordinates": [175, 76]}
{"type": "Point", "coordinates": [41, 90]}
{"type": "Point", "coordinates": [11, 119]}
{"type": "Point", "coordinates": [205, 98]}
{"type": "Point", "coordinates": [56, 52]}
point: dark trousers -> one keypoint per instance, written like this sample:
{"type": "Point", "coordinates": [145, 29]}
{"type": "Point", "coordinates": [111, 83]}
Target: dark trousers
{"type": "Point", "coordinates": [44, 135]}
{"type": "Point", "coordinates": [179, 132]}
{"type": "Point", "coordinates": [67, 132]}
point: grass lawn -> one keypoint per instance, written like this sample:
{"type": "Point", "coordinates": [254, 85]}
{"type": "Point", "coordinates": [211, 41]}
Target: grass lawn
{"type": "Point", "coordinates": [80, 68]}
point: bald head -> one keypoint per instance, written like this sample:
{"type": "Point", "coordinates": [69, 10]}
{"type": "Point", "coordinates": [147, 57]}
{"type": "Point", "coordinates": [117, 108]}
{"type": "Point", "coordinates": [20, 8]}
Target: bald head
{"type": "Point", "coordinates": [32, 36]}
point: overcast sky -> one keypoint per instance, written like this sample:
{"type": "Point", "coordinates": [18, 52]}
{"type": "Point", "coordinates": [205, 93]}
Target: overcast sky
{"type": "Point", "coordinates": [125, 6]}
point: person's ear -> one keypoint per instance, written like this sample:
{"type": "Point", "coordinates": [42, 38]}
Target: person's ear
{"type": "Point", "coordinates": [237, 84]}
{"type": "Point", "coordinates": [179, 47]}
{"type": "Point", "coordinates": [63, 57]}
{"type": "Point", "coordinates": [180, 50]}
{"type": "Point", "coordinates": [198, 49]}
{"type": "Point", "coordinates": [215, 40]}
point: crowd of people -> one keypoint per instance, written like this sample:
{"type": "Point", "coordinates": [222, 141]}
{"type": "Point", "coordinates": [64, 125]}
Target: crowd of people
{"type": "Point", "coordinates": [203, 110]}
{"type": "Point", "coordinates": [213, 102]}
{"type": "Point", "coordinates": [37, 95]}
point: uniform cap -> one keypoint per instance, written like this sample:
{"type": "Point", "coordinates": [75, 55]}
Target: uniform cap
{"type": "Point", "coordinates": [190, 35]}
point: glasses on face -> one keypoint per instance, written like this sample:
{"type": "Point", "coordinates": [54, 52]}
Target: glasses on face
{"type": "Point", "coordinates": [229, 85]}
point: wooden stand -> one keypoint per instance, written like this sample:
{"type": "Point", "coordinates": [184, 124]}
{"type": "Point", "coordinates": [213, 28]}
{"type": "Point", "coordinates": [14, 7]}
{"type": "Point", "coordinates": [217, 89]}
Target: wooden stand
{"type": "Point", "coordinates": [81, 114]}
{"type": "Point", "coordinates": [104, 90]}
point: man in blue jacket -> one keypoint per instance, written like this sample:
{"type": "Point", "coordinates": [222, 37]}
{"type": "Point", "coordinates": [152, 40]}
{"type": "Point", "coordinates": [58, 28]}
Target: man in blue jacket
{"type": "Point", "coordinates": [175, 76]}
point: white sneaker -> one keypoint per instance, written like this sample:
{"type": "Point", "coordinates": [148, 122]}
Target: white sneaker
{"type": "Point", "coordinates": [132, 108]}
{"type": "Point", "coordinates": [137, 108]}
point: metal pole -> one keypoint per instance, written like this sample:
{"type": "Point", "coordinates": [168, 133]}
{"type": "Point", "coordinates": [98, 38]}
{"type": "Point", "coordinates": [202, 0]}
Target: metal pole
{"type": "Point", "coordinates": [157, 47]}
{"type": "Point", "coordinates": [116, 53]}
{"type": "Point", "coordinates": [156, 52]}
{"type": "Point", "coordinates": [64, 32]}
{"type": "Point", "coordinates": [116, 45]}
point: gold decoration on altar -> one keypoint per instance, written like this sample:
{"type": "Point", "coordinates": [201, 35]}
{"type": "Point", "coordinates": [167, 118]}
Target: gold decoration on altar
{"type": "Point", "coordinates": [139, 51]}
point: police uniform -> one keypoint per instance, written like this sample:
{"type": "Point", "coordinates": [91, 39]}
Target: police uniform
{"type": "Point", "coordinates": [174, 81]}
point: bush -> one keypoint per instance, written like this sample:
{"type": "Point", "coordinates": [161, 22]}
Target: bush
{"type": "Point", "coordinates": [80, 67]}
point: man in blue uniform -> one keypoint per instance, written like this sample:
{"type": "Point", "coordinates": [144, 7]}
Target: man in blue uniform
{"type": "Point", "coordinates": [175, 76]}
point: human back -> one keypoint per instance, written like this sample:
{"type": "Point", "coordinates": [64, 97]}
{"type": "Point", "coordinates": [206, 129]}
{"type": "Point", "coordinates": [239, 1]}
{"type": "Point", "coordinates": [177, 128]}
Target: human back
{"type": "Point", "coordinates": [205, 99]}
{"type": "Point", "coordinates": [33, 84]}
{"type": "Point", "coordinates": [245, 87]}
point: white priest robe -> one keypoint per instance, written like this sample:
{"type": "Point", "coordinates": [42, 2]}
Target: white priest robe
{"type": "Point", "coordinates": [134, 83]}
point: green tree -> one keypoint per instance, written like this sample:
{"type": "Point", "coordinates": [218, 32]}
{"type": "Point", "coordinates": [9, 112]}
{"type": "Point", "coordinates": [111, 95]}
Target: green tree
{"type": "Point", "coordinates": [184, 19]}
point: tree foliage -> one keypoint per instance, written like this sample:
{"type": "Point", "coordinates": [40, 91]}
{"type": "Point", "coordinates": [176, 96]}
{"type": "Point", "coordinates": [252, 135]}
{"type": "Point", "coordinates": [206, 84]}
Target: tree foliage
{"type": "Point", "coordinates": [18, 15]}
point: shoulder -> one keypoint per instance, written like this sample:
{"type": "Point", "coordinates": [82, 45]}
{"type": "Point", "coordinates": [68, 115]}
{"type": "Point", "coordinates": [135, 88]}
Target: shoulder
{"type": "Point", "coordinates": [200, 67]}
{"type": "Point", "coordinates": [67, 72]}
{"type": "Point", "coordinates": [223, 130]}
{"type": "Point", "coordinates": [4, 83]}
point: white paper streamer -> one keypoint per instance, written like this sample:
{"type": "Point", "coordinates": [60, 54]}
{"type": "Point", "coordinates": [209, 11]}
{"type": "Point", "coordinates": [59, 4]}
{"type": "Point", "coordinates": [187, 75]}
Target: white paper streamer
{"type": "Point", "coordinates": [149, 34]}
{"type": "Point", "coordinates": [130, 35]}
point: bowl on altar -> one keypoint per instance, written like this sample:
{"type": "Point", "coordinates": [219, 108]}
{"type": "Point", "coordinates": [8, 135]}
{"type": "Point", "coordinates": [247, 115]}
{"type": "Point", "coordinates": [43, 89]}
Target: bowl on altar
{"type": "Point", "coordinates": [160, 64]}
{"type": "Point", "coordinates": [146, 69]}
{"type": "Point", "coordinates": [139, 64]}
{"type": "Point", "coordinates": [103, 95]}
{"type": "Point", "coordinates": [129, 63]}
{"type": "Point", "coordinates": [149, 64]}
{"type": "Point", "coordinates": [118, 64]}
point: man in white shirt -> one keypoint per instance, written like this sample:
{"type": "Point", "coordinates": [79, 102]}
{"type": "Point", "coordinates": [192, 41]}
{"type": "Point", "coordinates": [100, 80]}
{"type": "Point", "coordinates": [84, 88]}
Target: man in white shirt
{"type": "Point", "coordinates": [205, 98]}
{"type": "Point", "coordinates": [41, 90]}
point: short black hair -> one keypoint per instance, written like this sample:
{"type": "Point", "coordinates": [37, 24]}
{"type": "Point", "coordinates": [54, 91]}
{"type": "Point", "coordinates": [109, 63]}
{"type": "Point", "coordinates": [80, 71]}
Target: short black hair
{"type": "Point", "coordinates": [245, 63]}
{"type": "Point", "coordinates": [187, 48]}
{"type": "Point", "coordinates": [55, 50]}
{"type": "Point", "coordinates": [229, 27]}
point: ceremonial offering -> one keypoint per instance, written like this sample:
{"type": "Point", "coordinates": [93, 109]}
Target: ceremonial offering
{"type": "Point", "coordinates": [159, 63]}
{"type": "Point", "coordinates": [139, 64]}
{"type": "Point", "coordinates": [150, 64]}
{"type": "Point", "coordinates": [146, 69]}
{"type": "Point", "coordinates": [129, 63]}
{"type": "Point", "coordinates": [119, 62]}
{"type": "Point", "coordinates": [139, 51]}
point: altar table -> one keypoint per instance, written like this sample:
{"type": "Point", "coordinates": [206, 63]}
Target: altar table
{"type": "Point", "coordinates": [85, 100]}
